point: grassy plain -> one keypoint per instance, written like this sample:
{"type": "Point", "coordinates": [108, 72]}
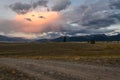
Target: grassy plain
{"type": "Point", "coordinates": [108, 52]}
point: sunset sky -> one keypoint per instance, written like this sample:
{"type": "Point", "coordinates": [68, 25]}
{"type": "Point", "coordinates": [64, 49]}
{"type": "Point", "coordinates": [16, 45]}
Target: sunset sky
{"type": "Point", "coordinates": [52, 18]}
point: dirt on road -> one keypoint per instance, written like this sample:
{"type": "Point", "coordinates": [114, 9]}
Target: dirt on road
{"type": "Point", "coordinates": [61, 70]}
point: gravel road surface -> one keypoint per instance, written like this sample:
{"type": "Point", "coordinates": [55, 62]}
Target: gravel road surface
{"type": "Point", "coordinates": [61, 70]}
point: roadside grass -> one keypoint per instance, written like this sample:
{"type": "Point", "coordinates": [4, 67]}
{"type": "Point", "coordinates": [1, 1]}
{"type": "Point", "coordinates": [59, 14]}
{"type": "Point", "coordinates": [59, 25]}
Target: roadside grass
{"type": "Point", "coordinates": [63, 51]}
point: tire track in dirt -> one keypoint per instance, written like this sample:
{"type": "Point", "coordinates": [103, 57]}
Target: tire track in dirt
{"type": "Point", "coordinates": [60, 70]}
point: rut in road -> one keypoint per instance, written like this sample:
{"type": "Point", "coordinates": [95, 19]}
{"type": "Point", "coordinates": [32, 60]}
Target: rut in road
{"type": "Point", "coordinates": [60, 70]}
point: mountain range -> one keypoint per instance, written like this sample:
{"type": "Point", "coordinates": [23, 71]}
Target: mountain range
{"type": "Point", "coordinates": [12, 39]}
{"type": "Point", "coordinates": [97, 37]}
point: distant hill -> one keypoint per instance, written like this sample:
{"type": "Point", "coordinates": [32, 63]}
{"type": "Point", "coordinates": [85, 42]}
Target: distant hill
{"type": "Point", "coordinates": [97, 37]}
{"type": "Point", "coordinates": [12, 39]}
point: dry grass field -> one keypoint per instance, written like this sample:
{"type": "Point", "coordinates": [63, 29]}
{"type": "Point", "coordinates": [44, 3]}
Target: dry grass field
{"type": "Point", "coordinates": [60, 49]}
{"type": "Point", "coordinates": [63, 51]}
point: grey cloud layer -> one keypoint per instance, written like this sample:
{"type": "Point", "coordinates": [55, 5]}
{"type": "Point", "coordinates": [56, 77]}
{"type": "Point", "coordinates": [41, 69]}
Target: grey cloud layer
{"type": "Point", "coordinates": [61, 5]}
{"type": "Point", "coordinates": [23, 8]}
{"type": "Point", "coordinates": [20, 8]}
{"type": "Point", "coordinates": [94, 16]}
{"type": "Point", "coordinates": [104, 16]}
{"type": "Point", "coordinates": [115, 4]}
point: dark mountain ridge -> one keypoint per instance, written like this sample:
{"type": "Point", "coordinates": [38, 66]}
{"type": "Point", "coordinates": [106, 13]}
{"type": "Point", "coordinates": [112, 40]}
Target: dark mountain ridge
{"type": "Point", "coordinates": [12, 39]}
{"type": "Point", "coordinates": [96, 37]}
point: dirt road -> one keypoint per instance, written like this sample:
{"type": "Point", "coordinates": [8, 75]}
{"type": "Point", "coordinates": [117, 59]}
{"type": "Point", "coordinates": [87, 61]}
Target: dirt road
{"type": "Point", "coordinates": [61, 70]}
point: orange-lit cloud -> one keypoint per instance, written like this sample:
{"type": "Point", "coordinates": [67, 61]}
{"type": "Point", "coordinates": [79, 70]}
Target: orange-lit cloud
{"type": "Point", "coordinates": [34, 22]}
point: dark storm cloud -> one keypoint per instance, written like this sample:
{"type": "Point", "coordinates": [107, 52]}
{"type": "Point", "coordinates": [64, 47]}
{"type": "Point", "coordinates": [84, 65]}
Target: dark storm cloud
{"type": "Point", "coordinates": [103, 17]}
{"type": "Point", "coordinates": [23, 8]}
{"type": "Point", "coordinates": [103, 22]}
{"type": "Point", "coordinates": [61, 5]}
{"type": "Point", "coordinates": [20, 8]}
{"type": "Point", "coordinates": [40, 3]}
{"type": "Point", "coordinates": [107, 21]}
{"type": "Point", "coordinates": [96, 15]}
{"type": "Point", "coordinates": [115, 4]}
